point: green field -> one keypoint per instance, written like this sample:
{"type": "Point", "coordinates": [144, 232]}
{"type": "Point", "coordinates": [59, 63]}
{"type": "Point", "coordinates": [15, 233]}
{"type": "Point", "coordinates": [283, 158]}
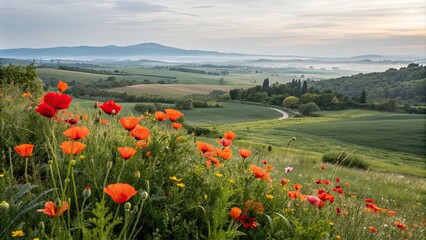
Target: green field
{"type": "Point", "coordinates": [387, 141]}
{"type": "Point", "coordinates": [230, 113]}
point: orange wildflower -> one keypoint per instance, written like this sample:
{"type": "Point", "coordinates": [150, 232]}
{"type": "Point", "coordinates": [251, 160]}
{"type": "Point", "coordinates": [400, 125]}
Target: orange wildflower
{"type": "Point", "coordinates": [225, 153]}
{"type": "Point", "coordinates": [51, 210]}
{"type": "Point", "coordinates": [104, 121]}
{"type": "Point", "coordinates": [259, 172]}
{"type": "Point", "coordinates": [120, 192]}
{"type": "Point", "coordinates": [326, 196]}
{"type": "Point", "coordinates": [245, 153]}
{"type": "Point", "coordinates": [160, 116]}
{"type": "Point", "coordinates": [25, 150]}
{"type": "Point", "coordinates": [126, 152]}
{"type": "Point", "coordinates": [255, 207]}
{"type": "Point", "coordinates": [204, 147]}
{"type": "Point", "coordinates": [269, 168]}
{"type": "Point", "coordinates": [401, 225]}
{"type": "Point", "coordinates": [229, 135]}
{"type": "Point", "coordinates": [26, 95]}
{"type": "Point", "coordinates": [235, 212]}
{"type": "Point", "coordinates": [293, 194]}
{"type": "Point", "coordinates": [176, 125]}
{"type": "Point", "coordinates": [129, 123]}
{"type": "Point", "coordinates": [76, 133]}
{"type": "Point", "coordinates": [62, 86]}
{"type": "Point", "coordinates": [141, 144]}
{"type": "Point", "coordinates": [140, 132]}
{"type": "Point", "coordinates": [297, 186]}
{"type": "Point", "coordinates": [373, 207]}
{"type": "Point", "coordinates": [72, 148]}
{"type": "Point", "coordinates": [173, 115]}
{"type": "Point", "coordinates": [148, 154]}
{"type": "Point", "coordinates": [224, 142]}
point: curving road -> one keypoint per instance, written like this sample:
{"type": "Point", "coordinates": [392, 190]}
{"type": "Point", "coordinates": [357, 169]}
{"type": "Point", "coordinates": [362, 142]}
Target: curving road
{"type": "Point", "coordinates": [285, 115]}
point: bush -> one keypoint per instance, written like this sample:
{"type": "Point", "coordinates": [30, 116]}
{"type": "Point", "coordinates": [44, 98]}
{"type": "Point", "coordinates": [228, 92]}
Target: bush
{"type": "Point", "coordinates": [291, 102]}
{"type": "Point", "coordinates": [308, 109]}
{"type": "Point", "coordinates": [344, 159]}
{"type": "Point", "coordinates": [144, 108]}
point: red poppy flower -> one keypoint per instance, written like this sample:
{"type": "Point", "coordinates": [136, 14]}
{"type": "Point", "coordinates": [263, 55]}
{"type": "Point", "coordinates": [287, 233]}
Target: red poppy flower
{"type": "Point", "coordinates": [338, 211]}
{"type": "Point", "coordinates": [326, 197]}
{"type": "Point", "coordinates": [25, 150]}
{"type": "Point", "coordinates": [45, 110]}
{"type": "Point", "coordinates": [247, 221]}
{"type": "Point", "coordinates": [76, 133]}
{"type": "Point", "coordinates": [372, 229]}
{"type": "Point", "coordinates": [373, 207]}
{"type": "Point", "coordinates": [259, 172]}
{"type": "Point", "coordinates": [72, 148]}
{"type": "Point", "coordinates": [140, 132]}
{"type": "Point", "coordinates": [160, 116]}
{"type": "Point", "coordinates": [173, 115]}
{"type": "Point", "coordinates": [51, 210]}
{"type": "Point", "coordinates": [326, 182]}
{"type": "Point", "coordinates": [284, 181]}
{"type": "Point", "coordinates": [297, 186]}
{"type": "Point", "coordinates": [319, 181]}
{"type": "Point", "coordinates": [62, 86]}
{"type": "Point", "coordinates": [235, 212]}
{"type": "Point", "coordinates": [110, 107]}
{"type": "Point", "coordinates": [369, 200]}
{"type": "Point", "coordinates": [338, 189]}
{"type": "Point", "coordinates": [129, 123]}
{"type": "Point", "coordinates": [225, 153]}
{"type": "Point", "coordinates": [120, 192]}
{"type": "Point", "coordinates": [224, 142]}
{"type": "Point", "coordinates": [204, 147]}
{"type": "Point", "coordinates": [57, 100]}
{"type": "Point", "coordinates": [126, 152]}
{"type": "Point", "coordinates": [323, 167]}
{"type": "Point", "coordinates": [229, 135]}
{"type": "Point", "coordinates": [141, 144]}
{"type": "Point", "coordinates": [337, 180]}
{"type": "Point", "coordinates": [177, 125]}
{"type": "Point", "coordinates": [245, 153]}
{"type": "Point", "coordinates": [401, 225]}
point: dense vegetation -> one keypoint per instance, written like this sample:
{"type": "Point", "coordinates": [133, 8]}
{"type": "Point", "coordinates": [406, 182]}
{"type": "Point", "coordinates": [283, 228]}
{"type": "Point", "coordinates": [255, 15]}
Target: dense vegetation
{"type": "Point", "coordinates": [407, 83]}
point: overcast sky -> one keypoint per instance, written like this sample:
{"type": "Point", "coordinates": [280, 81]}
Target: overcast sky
{"type": "Point", "coordinates": [297, 27]}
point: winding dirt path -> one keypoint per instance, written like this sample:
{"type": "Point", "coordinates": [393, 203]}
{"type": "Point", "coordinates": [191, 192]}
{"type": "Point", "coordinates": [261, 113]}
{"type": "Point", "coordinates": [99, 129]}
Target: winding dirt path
{"type": "Point", "coordinates": [285, 115]}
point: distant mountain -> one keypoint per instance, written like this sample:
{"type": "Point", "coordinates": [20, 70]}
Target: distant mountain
{"type": "Point", "coordinates": [110, 51]}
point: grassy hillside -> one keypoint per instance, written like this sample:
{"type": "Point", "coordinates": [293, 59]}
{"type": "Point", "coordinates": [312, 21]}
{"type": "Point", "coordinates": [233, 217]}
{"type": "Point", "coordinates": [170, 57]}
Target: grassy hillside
{"type": "Point", "coordinates": [409, 83]}
{"type": "Point", "coordinates": [391, 142]}
{"type": "Point", "coordinates": [173, 90]}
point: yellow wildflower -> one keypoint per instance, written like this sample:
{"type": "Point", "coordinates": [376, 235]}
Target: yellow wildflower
{"type": "Point", "coordinates": [205, 196]}
{"type": "Point", "coordinates": [174, 178]}
{"type": "Point", "coordinates": [1, 175]}
{"type": "Point", "coordinates": [338, 236]}
{"type": "Point", "coordinates": [181, 185]}
{"type": "Point", "coordinates": [219, 175]}
{"type": "Point", "coordinates": [18, 233]}
{"type": "Point", "coordinates": [269, 196]}
{"type": "Point", "coordinates": [232, 181]}
{"type": "Point", "coordinates": [26, 95]}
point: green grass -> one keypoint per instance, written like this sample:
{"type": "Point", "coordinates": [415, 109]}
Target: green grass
{"type": "Point", "coordinates": [388, 142]}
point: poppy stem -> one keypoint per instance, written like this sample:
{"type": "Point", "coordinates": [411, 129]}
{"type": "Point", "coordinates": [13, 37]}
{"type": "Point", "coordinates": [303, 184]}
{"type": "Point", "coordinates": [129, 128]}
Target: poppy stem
{"type": "Point", "coordinates": [26, 170]}
{"type": "Point", "coordinates": [121, 171]}
{"type": "Point", "coordinates": [11, 167]}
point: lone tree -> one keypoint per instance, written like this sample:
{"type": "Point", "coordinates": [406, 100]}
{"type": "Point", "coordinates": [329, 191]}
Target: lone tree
{"type": "Point", "coordinates": [265, 83]}
{"type": "Point", "coordinates": [363, 97]}
{"type": "Point", "coordinates": [304, 87]}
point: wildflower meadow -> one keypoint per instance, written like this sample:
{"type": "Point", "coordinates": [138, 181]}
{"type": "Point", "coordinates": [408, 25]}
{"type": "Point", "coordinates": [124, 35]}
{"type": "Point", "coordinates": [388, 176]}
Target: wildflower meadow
{"type": "Point", "coordinates": [71, 173]}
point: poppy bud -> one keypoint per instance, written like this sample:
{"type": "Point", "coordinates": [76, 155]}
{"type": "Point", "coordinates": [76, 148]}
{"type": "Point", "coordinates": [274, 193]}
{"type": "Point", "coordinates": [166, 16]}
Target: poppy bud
{"type": "Point", "coordinates": [73, 162]}
{"type": "Point", "coordinates": [144, 195]}
{"type": "Point", "coordinates": [105, 134]}
{"type": "Point", "coordinates": [67, 180]}
{"type": "Point", "coordinates": [95, 105]}
{"type": "Point", "coordinates": [81, 157]}
{"type": "Point", "coordinates": [269, 148]}
{"type": "Point", "coordinates": [135, 209]}
{"type": "Point", "coordinates": [41, 225]}
{"type": "Point", "coordinates": [4, 205]}
{"type": "Point", "coordinates": [109, 165]}
{"type": "Point", "coordinates": [50, 162]}
{"type": "Point", "coordinates": [87, 192]}
{"type": "Point", "coordinates": [97, 119]}
{"type": "Point", "coordinates": [127, 206]}
{"type": "Point", "coordinates": [137, 174]}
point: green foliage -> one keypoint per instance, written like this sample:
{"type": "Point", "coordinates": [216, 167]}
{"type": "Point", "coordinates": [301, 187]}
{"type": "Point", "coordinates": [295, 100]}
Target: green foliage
{"type": "Point", "coordinates": [291, 102]}
{"type": "Point", "coordinates": [25, 77]}
{"type": "Point", "coordinates": [407, 82]}
{"type": "Point", "coordinates": [308, 109]}
{"type": "Point", "coordinates": [184, 104]}
{"type": "Point", "coordinates": [344, 159]}
{"type": "Point", "coordinates": [144, 108]}
{"type": "Point", "coordinates": [103, 224]}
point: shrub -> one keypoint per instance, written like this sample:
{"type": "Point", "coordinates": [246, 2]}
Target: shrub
{"type": "Point", "coordinates": [291, 102]}
{"type": "Point", "coordinates": [144, 108]}
{"type": "Point", "coordinates": [308, 109]}
{"type": "Point", "coordinates": [345, 159]}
